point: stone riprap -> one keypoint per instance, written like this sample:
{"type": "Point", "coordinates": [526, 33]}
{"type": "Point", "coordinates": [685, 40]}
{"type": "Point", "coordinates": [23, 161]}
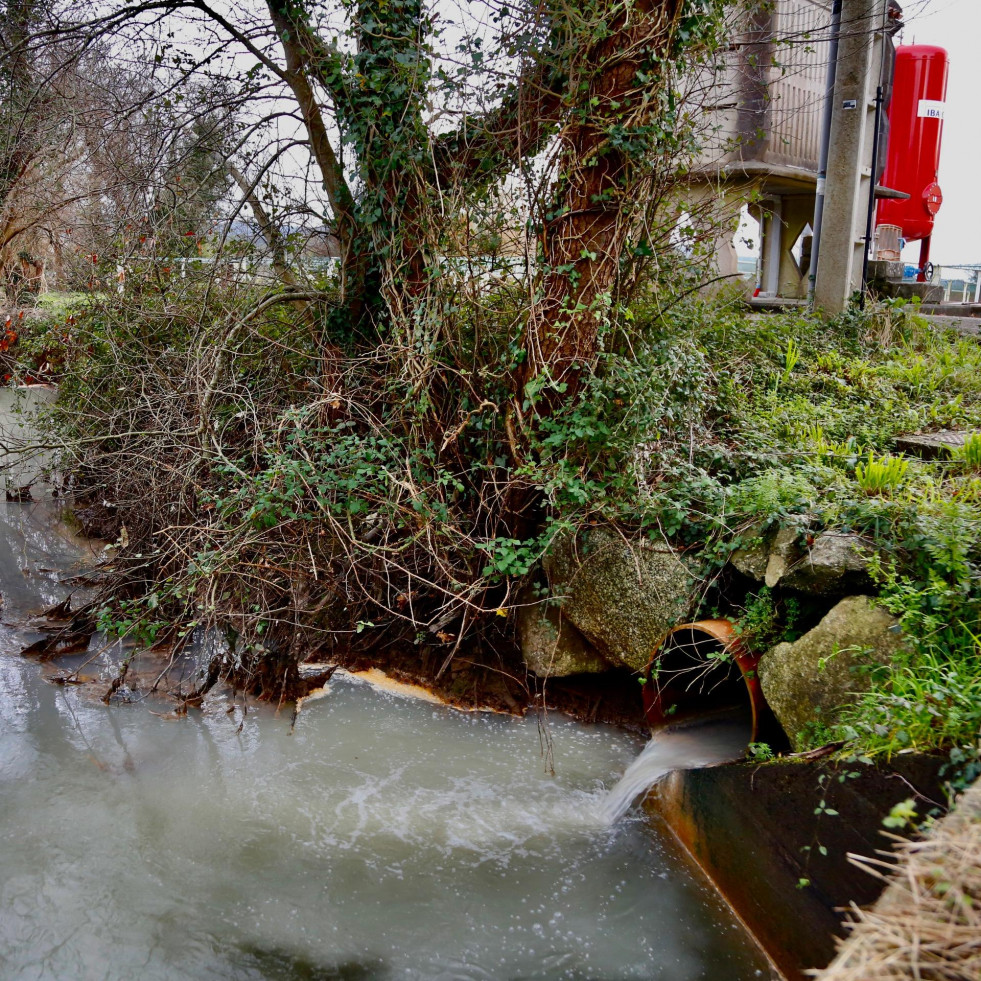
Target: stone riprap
{"type": "Point", "coordinates": [623, 597]}
{"type": "Point", "coordinates": [836, 564]}
{"type": "Point", "coordinates": [551, 646]}
{"type": "Point", "coordinates": [806, 681]}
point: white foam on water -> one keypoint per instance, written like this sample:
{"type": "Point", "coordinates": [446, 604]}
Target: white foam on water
{"type": "Point", "coordinates": [381, 838]}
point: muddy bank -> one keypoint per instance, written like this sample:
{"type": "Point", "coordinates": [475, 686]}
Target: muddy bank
{"type": "Point", "coordinates": [501, 684]}
{"type": "Point", "coordinates": [65, 639]}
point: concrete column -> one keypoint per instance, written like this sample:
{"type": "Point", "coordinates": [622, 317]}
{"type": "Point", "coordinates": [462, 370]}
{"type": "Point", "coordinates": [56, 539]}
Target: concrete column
{"type": "Point", "coordinates": [839, 269]}
{"type": "Point", "coordinates": [772, 245]}
{"type": "Point", "coordinates": [797, 210]}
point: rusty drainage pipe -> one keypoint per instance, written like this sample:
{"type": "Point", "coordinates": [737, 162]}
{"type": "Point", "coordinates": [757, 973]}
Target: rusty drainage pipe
{"type": "Point", "coordinates": [694, 665]}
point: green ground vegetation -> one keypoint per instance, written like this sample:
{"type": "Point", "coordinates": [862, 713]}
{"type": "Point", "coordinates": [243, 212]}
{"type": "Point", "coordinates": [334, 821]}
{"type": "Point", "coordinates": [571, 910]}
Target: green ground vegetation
{"type": "Point", "coordinates": [806, 414]}
{"type": "Point", "coordinates": [245, 484]}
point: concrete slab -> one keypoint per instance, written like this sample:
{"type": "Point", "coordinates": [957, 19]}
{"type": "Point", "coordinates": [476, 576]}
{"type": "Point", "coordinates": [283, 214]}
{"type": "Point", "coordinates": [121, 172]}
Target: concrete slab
{"type": "Point", "coordinates": [885, 269]}
{"type": "Point", "coordinates": [932, 446]}
{"type": "Point", "coordinates": [951, 309]}
{"type": "Point", "coordinates": [777, 303]}
{"type": "Point", "coordinates": [968, 326]}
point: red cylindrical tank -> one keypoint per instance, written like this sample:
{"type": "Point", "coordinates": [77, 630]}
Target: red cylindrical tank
{"type": "Point", "coordinates": [916, 117]}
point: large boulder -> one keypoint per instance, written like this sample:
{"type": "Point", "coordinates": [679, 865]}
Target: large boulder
{"type": "Point", "coordinates": [806, 682]}
{"type": "Point", "coordinates": [769, 552]}
{"type": "Point", "coordinates": [623, 597]}
{"type": "Point", "coordinates": [835, 565]}
{"type": "Point", "coordinates": [552, 647]}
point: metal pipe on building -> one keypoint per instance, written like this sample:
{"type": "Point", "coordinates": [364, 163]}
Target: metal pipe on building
{"type": "Point", "coordinates": [871, 209]}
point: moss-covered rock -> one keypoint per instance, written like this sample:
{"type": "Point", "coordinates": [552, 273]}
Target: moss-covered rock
{"type": "Point", "coordinates": [807, 681]}
{"type": "Point", "coordinates": [769, 552]}
{"type": "Point", "coordinates": [551, 647]}
{"type": "Point", "coordinates": [622, 597]}
{"type": "Point", "coordinates": [835, 565]}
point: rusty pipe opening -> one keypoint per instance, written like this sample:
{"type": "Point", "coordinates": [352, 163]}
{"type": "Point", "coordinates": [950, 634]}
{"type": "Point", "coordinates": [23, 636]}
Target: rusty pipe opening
{"type": "Point", "coordinates": [703, 668]}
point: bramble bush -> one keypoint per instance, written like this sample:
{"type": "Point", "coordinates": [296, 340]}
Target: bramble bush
{"type": "Point", "coordinates": [296, 515]}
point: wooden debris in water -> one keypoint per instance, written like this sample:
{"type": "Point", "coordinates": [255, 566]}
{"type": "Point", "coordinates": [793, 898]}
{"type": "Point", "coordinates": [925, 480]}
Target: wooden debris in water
{"type": "Point", "coordinates": [318, 688]}
{"type": "Point", "coordinates": [927, 924]}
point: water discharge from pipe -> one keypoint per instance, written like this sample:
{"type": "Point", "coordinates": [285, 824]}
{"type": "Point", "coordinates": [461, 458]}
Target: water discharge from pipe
{"type": "Point", "coordinates": [703, 743]}
{"type": "Point", "coordinates": [380, 837]}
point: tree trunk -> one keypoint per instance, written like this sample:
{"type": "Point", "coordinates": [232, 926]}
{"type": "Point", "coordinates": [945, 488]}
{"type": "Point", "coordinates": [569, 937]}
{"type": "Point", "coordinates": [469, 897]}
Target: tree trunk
{"type": "Point", "coordinates": [393, 143]}
{"type": "Point", "coordinates": [583, 235]}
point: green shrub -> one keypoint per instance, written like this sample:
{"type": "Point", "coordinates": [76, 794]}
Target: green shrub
{"type": "Point", "coordinates": [882, 475]}
{"type": "Point", "coordinates": [969, 453]}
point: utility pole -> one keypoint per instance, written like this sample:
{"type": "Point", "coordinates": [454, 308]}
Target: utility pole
{"type": "Point", "coordinates": [850, 164]}
{"type": "Point", "coordinates": [822, 177]}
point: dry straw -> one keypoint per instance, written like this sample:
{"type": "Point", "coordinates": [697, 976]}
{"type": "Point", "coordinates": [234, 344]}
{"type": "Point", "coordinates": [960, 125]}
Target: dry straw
{"type": "Point", "coordinates": [927, 923]}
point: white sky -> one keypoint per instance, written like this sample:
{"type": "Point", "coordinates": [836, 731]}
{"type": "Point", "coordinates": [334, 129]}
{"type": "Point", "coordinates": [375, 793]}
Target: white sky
{"type": "Point", "coordinates": [956, 26]}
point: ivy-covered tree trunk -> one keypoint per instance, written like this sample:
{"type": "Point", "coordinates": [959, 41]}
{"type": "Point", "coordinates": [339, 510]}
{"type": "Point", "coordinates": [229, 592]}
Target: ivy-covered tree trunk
{"type": "Point", "coordinates": [596, 84]}
{"type": "Point", "coordinates": [611, 130]}
{"type": "Point", "coordinates": [300, 48]}
{"type": "Point", "coordinates": [385, 125]}
{"type": "Point", "coordinates": [378, 98]}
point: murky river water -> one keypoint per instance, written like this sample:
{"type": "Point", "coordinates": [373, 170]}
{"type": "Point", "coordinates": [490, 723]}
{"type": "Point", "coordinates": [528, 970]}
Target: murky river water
{"type": "Point", "coordinates": [384, 838]}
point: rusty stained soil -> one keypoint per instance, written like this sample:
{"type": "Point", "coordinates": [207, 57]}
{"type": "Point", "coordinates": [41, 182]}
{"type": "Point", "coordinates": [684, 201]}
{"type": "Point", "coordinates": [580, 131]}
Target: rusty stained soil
{"type": "Point", "coordinates": [490, 683]}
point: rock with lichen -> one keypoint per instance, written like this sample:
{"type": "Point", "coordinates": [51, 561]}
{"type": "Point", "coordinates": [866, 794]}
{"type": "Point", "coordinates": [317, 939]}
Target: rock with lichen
{"type": "Point", "coordinates": [552, 647]}
{"type": "Point", "coordinates": [835, 564]}
{"type": "Point", "coordinates": [807, 681]}
{"type": "Point", "coordinates": [622, 596]}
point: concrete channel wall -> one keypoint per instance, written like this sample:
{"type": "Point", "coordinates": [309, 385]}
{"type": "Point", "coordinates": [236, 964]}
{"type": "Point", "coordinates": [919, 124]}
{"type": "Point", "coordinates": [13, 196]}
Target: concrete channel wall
{"type": "Point", "coordinates": [780, 858]}
{"type": "Point", "coordinates": [21, 462]}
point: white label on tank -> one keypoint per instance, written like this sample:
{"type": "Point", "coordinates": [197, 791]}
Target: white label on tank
{"type": "Point", "coordinates": [930, 109]}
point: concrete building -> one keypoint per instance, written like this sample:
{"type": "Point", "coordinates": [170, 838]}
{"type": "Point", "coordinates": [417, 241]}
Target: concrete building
{"type": "Point", "coordinates": [764, 139]}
